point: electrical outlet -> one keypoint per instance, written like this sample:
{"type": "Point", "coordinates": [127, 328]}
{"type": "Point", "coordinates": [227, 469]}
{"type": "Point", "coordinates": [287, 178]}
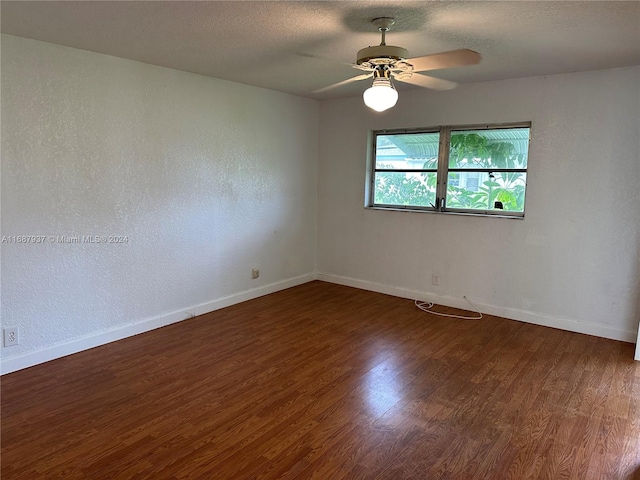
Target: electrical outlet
{"type": "Point", "coordinates": [255, 273]}
{"type": "Point", "coordinates": [435, 279]}
{"type": "Point", "coordinates": [10, 336]}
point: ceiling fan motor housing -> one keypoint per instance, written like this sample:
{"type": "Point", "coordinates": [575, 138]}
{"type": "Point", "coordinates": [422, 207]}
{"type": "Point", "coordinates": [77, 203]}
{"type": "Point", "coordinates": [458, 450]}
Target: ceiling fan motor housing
{"type": "Point", "coordinates": [383, 53]}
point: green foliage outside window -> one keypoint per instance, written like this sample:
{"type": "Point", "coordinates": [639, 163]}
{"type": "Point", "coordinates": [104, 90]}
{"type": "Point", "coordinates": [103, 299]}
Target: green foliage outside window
{"type": "Point", "coordinates": [417, 189]}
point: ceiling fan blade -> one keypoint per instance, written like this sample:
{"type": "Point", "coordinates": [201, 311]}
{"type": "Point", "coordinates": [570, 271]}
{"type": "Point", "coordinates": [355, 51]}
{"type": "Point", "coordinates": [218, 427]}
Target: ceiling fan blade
{"type": "Point", "coordinates": [454, 58]}
{"type": "Point", "coordinates": [425, 81]}
{"type": "Point", "coordinates": [362, 67]}
{"type": "Point", "coordinates": [344, 82]}
{"type": "Point", "coordinates": [326, 59]}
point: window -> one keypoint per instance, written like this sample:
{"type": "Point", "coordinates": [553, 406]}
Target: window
{"type": "Point", "coordinates": [476, 169]}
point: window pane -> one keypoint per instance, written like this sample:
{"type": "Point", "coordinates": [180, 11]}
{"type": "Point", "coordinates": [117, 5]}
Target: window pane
{"type": "Point", "coordinates": [498, 148]}
{"type": "Point", "coordinates": [415, 151]}
{"type": "Point", "coordinates": [407, 189]}
{"type": "Point", "coordinates": [483, 191]}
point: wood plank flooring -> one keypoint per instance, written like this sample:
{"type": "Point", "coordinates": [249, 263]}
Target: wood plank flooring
{"type": "Point", "coordinates": [327, 382]}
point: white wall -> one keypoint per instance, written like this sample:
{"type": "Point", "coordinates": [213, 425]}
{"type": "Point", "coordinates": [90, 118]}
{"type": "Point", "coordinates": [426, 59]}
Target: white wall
{"type": "Point", "coordinates": [573, 262]}
{"type": "Point", "coordinates": [206, 178]}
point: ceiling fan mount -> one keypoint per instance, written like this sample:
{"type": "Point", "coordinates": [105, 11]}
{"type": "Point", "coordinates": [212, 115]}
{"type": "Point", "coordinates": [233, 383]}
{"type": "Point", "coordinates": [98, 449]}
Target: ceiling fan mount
{"type": "Point", "coordinates": [384, 24]}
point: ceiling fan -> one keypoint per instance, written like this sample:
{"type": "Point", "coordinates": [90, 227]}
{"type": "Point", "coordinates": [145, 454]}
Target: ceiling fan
{"type": "Point", "coordinates": [384, 62]}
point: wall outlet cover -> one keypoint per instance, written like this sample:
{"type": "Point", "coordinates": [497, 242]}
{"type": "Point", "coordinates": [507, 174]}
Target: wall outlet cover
{"type": "Point", "coordinates": [10, 336]}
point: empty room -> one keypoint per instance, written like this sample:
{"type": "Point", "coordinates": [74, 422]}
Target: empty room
{"type": "Point", "coordinates": [320, 240]}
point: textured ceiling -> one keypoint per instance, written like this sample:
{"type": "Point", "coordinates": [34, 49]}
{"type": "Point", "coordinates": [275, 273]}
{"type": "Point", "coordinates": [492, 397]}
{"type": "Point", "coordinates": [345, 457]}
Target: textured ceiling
{"type": "Point", "coordinates": [300, 46]}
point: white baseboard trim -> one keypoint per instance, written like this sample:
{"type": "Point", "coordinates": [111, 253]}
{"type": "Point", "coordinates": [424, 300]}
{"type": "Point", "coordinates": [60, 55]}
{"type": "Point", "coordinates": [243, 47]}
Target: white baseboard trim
{"type": "Point", "coordinates": [12, 364]}
{"type": "Point", "coordinates": [594, 329]}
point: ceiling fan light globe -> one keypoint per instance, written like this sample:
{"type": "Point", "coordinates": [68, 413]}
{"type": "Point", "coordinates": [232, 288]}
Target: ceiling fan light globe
{"type": "Point", "coordinates": [380, 96]}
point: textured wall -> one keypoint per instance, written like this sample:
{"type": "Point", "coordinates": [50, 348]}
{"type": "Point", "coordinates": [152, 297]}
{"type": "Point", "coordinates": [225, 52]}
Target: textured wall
{"type": "Point", "coordinates": [576, 254]}
{"type": "Point", "coordinates": [206, 178]}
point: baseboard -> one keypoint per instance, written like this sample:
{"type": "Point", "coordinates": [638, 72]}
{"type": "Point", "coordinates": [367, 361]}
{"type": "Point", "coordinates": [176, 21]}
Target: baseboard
{"type": "Point", "coordinates": [594, 329]}
{"type": "Point", "coordinates": [12, 364]}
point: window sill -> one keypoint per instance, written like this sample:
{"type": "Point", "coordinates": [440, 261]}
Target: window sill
{"type": "Point", "coordinates": [517, 216]}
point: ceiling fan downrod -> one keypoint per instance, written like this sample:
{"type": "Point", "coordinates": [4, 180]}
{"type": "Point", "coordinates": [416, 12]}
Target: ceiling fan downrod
{"type": "Point", "coordinates": [384, 24]}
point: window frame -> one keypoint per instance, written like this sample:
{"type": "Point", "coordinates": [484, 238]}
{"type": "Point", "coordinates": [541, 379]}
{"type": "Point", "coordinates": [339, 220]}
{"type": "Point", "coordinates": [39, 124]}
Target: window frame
{"type": "Point", "coordinates": [443, 169]}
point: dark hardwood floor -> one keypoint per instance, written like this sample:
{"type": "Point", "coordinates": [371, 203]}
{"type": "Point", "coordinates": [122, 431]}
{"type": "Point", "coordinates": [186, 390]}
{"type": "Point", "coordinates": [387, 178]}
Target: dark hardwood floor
{"type": "Point", "coordinates": [328, 382]}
